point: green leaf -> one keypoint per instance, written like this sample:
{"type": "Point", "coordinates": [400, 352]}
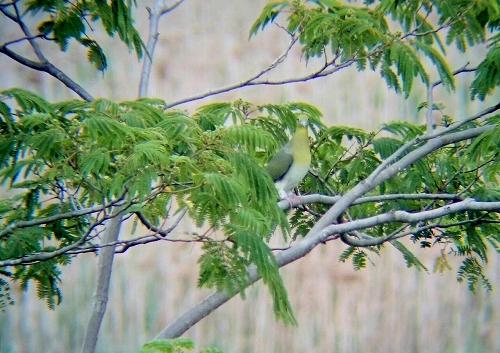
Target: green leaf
{"type": "Point", "coordinates": [107, 131]}
{"type": "Point", "coordinates": [95, 54]}
{"type": "Point", "coordinates": [405, 130]}
{"type": "Point", "coordinates": [386, 146]}
{"type": "Point", "coordinates": [268, 15]}
{"type": "Point", "coordinates": [347, 253]}
{"type": "Point", "coordinates": [249, 138]}
{"type": "Point", "coordinates": [176, 345]}
{"type": "Point", "coordinates": [97, 161]}
{"type": "Point", "coordinates": [411, 260]}
{"type": "Point", "coordinates": [359, 259]}
{"type": "Point", "coordinates": [147, 153]}
{"type": "Point", "coordinates": [487, 75]}
{"type": "Point", "coordinates": [28, 101]}
{"type": "Point", "coordinates": [439, 62]}
{"type": "Point", "coordinates": [408, 65]}
{"type": "Point", "coordinates": [472, 272]}
{"type": "Point", "coordinates": [226, 191]}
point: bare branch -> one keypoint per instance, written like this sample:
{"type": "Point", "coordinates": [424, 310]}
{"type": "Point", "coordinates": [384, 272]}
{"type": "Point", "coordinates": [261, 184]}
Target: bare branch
{"type": "Point", "coordinates": [253, 81]}
{"type": "Point", "coordinates": [101, 294]}
{"type": "Point", "coordinates": [163, 232]}
{"type": "Point", "coordinates": [331, 200]}
{"type": "Point", "coordinates": [430, 109]}
{"type": "Point", "coordinates": [43, 256]}
{"type": "Point", "coordinates": [430, 98]}
{"type": "Point", "coordinates": [166, 9]}
{"type": "Point", "coordinates": [56, 217]}
{"type": "Point", "coordinates": [155, 14]}
{"type": "Point", "coordinates": [407, 217]}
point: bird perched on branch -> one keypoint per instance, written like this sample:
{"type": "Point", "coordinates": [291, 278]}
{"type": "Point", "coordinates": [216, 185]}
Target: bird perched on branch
{"type": "Point", "coordinates": [291, 164]}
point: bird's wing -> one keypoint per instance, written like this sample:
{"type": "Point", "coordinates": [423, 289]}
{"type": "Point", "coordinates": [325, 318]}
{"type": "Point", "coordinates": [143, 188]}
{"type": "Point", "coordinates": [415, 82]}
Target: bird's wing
{"type": "Point", "coordinates": [279, 165]}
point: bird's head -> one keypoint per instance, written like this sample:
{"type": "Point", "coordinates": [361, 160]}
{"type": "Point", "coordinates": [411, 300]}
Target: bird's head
{"type": "Point", "coordinates": [302, 123]}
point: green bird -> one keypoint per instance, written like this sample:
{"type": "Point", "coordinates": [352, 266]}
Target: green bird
{"type": "Point", "coordinates": [291, 164]}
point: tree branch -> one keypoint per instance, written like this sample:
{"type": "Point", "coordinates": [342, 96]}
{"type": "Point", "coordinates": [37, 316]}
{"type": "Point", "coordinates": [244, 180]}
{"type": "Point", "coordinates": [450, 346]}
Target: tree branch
{"type": "Point", "coordinates": [326, 229]}
{"type": "Point", "coordinates": [106, 257]}
{"type": "Point", "coordinates": [252, 81]}
{"type": "Point", "coordinates": [56, 217]}
{"type": "Point", "coordinates": [155, 14]}
{"type": "Point", "coordinates": [406, 217]}
{"type": "Point", "coordinates": [430, 98]}
{"type": "Point", "coordinates": [43, 256]}
{"type": "Point", "coordinates": [43, 65]}
{"type": "Point", "coordinates": [331, 200]}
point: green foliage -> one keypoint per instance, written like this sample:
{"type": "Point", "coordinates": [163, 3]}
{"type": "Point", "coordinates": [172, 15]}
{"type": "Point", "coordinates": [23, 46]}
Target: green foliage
{"type": "Point", "coordinates": [349, 34]}
{"type": "Point", "coordinates": [5, 297]}
{"type": "Point", "coordinates": [411, 260]}
{"type": "Point", "coordinates": [487, 74]}
{"type": "Point", "coordinates": [472, 272]}
{"type": "Point", "coordinates": [72, 165]}
{"type": "Point", "coordinates": [68, 21]}
{"type": "Point", "coordinates": [176, 345]}
{"type": "Point", "coordinates": [359, 259]}
{"type": "Point", "coordinates": [70, 156]}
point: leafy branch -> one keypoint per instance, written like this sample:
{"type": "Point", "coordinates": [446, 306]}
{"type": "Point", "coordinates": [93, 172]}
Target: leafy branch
{"type": "Point", "coordinates": [43, 64]}
{"type": "Point", "coordinates": [326, 228]}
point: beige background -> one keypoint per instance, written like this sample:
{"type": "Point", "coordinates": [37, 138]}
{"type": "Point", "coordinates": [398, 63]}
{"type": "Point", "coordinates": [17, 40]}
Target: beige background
{"type": "Point", "coordinates": [385, 308]}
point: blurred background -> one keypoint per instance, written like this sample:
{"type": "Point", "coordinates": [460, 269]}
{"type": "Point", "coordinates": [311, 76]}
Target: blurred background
{"type": "Point", "coordinates": [387, 307]}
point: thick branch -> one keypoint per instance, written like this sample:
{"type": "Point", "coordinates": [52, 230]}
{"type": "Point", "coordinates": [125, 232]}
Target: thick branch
{"type": "Point", "coordinates": [51, 70]}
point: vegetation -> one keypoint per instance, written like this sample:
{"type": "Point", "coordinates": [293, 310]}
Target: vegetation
{"type": "Point", "coordinates": [79, 168]}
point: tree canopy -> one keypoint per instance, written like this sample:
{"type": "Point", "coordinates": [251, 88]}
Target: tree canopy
{"type": "Point", "coordinates": [76, 165]}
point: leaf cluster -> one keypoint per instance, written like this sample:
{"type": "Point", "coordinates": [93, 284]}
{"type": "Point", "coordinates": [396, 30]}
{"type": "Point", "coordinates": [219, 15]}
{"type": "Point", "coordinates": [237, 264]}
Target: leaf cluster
{"type": "Point", "coordinates": [344, 156]}
{"type": "Point", "coordinates": [367, 36]}
{"type": "Point", "coordinates": [176, 345]}
{"type": "Point", "coordinates": [65, 20]}
{"type": "Point", "coordinates": [137, 158]}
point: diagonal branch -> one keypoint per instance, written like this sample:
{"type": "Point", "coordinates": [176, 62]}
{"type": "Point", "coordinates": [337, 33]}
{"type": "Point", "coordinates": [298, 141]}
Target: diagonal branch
{"type": "Point", "coordinates": [186, 320]}
{"type": "Point", "coordinates": [253, 81]}
{"type": "Point", "coordinates": [43, 64]}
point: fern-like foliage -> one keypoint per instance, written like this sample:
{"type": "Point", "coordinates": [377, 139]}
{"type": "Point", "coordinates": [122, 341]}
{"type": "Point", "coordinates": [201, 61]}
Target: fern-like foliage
{"type": "Point", "coordinates": [136, 157]}
{"type": "Point", "coordinates": [343, 157]}
{"type": "Point", "coordinates": [472, 272]}
{"type": "Point", "coordinates": [66, 21]}
{"type": "Point", "coordinates": [361, 35]}
{"type": "Point", "coordinates": [176, 345]}
{"type": "Point", "coordinates": [72, 165]}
